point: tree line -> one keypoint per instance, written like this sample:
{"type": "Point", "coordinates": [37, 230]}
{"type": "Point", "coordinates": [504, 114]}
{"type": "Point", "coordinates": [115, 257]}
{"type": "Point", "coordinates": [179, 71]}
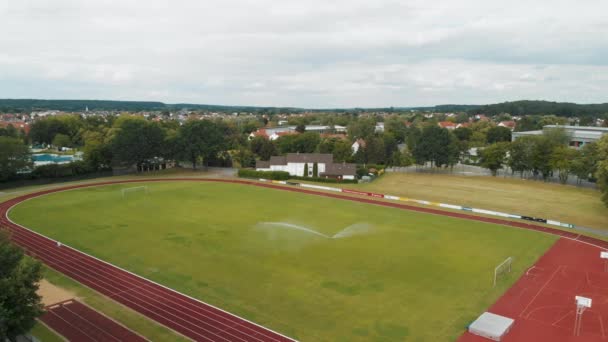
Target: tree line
{"type": "Point", "coordinates": [134, 142]}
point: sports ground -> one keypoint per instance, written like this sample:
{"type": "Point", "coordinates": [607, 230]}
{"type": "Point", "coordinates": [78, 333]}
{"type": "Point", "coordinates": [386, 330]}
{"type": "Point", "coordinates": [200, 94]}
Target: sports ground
{"type": "Point", "coordinates": [310, 267]}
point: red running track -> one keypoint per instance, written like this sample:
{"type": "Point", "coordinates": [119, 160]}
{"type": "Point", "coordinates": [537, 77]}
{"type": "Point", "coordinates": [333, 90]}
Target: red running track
{"type": "Point", "coordinates": [542, 301]}
{"type": "Point", "coordinates": [78, 322]}
{"type": "Point", "coordinates": [177, 311]}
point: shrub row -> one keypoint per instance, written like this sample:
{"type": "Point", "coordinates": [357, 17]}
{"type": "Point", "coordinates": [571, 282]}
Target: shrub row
{"type": "Point", "coordinates": [61, 170]}
{"type": "Point", "coordinates": [274, 175]}
{"type": "Point", "coordinates": [325, 180]}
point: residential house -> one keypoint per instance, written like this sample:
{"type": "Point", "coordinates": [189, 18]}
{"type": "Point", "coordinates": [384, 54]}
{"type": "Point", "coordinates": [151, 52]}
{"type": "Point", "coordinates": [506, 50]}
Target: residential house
{"type": "Point", "coordinates": [507, 124]}
{"type": "Point", "coordinates": [447, 124]}
{"type": "Point", "coordinates": [359, 143]}
{"type": "Point", "coordinates": [297, 163]}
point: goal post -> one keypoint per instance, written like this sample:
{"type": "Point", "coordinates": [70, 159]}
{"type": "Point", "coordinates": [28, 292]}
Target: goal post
{"type": "Point", "coordinates": [502, 269]}
{"type": "Point", "coordinates": [126, 191]}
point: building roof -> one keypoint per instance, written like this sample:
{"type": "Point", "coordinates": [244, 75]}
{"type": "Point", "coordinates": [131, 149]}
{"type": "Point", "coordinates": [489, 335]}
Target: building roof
{"type": "Point", "coordinates": [261, 164]}
{"type": "Point", "coordinates": [278, 160]}
{"type": "Point", "coordinates": [579, 128]}
{"type": "Point", "coordinates": [325, 158]}
{"type": "Point", "coordinates": [509, 124]}
{"type": "Point", "coordinates": [340, 170]}
{"type": "Point", "coordinates": [446, 124]}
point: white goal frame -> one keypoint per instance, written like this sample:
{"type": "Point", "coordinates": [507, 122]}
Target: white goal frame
{"type": "Point", "coordinates": [134, 189]}
{"type": "Point", "coordinates": [502, 268]}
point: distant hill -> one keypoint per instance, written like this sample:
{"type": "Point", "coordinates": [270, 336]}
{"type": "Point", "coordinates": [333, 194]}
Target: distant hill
{"type": "Point", "coordinates": [28, 105]}
{"type": "Point", "coordinates": [515, 108]}
{"type": "Point", "coordinates": [542, 108]}
{"type": "Point", "coordinates": [447, 108]}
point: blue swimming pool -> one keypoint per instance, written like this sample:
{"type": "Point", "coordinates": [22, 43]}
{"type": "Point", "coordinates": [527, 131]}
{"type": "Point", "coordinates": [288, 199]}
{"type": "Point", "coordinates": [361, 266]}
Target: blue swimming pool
{"type": "Point", "coordinates": [45, 158]}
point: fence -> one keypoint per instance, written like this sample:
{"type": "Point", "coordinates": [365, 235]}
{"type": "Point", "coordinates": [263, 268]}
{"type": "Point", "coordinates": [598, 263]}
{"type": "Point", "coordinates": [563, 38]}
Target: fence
{"type": "Point", "coordinates": [472, 170]}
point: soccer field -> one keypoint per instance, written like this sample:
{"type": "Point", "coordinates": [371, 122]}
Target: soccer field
{"type": "Point", "coordinates": [313, 268]}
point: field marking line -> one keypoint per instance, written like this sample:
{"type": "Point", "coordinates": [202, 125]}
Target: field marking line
{"type": "Point", "coordinates": [80, 186]}
{"type": "Point", "coordinates": [561, 318]}
{"type": "Point", "coordinates": [113, 320]}
{"type": "Point", "coordinates": [104, 332]}
{"type": "Point", "coordinates": [539, 291]}
{"type": "Point", "coordinates": [127, 290]}
{"type": "Point", "coordinates": [71, 325]}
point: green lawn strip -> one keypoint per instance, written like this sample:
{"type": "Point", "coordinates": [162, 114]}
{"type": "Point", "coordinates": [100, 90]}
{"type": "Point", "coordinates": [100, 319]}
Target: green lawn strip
{"type": "Point", "coordinates": [44, 334]}
{"type": "Point", "coordinates": [112, 309]}
{"type": "Point", "coordinates": [570, 204]}
{"type": "Point", "coordinates": [415, 204]}
{"type": "Point", "coordinates": [414, 276]}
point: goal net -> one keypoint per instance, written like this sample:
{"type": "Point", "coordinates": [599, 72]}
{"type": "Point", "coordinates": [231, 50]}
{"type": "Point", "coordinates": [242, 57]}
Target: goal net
{"type": "Point", "coordinates": [502, 269]}
{"type": "Point", "coordinates": [141, 189]}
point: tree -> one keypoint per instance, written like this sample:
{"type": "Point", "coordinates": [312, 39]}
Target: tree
{"type": "Point", "coordinates": [20, 305]}
{"type": "Point", "coordinates": [520, 154]}
{"type": "Point", "coordinates": [244, 157]}
{"type": "Point", "coordinates": [201, 139]}
{"type": "Point", "coordinates": [361, 129]}
{"type": "Point", "coordinates": [434, 146]}
{"type": "Point", "coordinates": [493, 156]}
{"type": "Point", "coordinates": [602, 169]}
{"type": "Point", "coordinates": [541, 156]}
{"type": "Point", "coordinates": [61, 140]}
{"type": "Point", "coordinates": [307, 142]}
{"type": "Point", "coordinates": [498, 134]}
{"type": "Point", "coordinates": [305, 169]}
{"type": "Point", "coordinates": [343, 151]}
{"type": "Point", "coordinates": [586, 161]}
{"type": "Point", "coordinates": [14, 156]}
{"type": "Point", "coordinates": [301, 128]}
{"type": "Point", "coordinates": [262, 147]}
{"type": "Point", "coordinates": [562, 160]}
{"type": "Point", "coordinates": [463, 133]}
{"type": "Point", "coordinates": [374, 150]}
{"type": "Point", "coordinates": [97, 151]}
{"type": "Point", "coordinates": [315, 170]}
{"type": "Point", "coordinates": [9, 131]}
{"type": "Point", "coordinates": [136, 140]}
{"type": "Point", "coordinates": [396, 127]}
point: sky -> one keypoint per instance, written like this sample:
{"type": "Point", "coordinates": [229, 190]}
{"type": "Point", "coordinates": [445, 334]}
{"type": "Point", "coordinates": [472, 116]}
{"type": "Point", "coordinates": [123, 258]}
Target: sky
{"type": "Point", "coordinates": [313, 53]}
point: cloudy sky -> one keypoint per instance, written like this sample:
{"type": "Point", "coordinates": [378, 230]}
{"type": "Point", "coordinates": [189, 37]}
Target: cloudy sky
{"type": "Point", "coordinates": [313, 53]}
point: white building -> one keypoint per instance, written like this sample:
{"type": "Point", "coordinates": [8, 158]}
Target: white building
{"type": "Point", "coordinates": [297, 163]}
{"type": "Point", "coordinates": [359, 143]}
{"type": "Point", "coordinates": [579, 135]}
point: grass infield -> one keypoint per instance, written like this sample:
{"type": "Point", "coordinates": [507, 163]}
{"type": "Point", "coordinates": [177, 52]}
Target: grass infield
{"type": "Point", "coordinates": [261, 254]}
{"type": "Point", "coordinates": [579, 206]}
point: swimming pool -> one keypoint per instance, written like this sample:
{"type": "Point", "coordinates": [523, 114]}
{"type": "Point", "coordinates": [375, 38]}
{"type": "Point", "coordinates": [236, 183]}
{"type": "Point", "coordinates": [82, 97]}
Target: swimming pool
{"type": "Point", "coordinates": [48, 158]}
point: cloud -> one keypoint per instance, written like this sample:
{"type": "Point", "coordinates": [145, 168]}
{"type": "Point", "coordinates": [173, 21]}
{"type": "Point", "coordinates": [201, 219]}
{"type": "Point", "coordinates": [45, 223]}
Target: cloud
{"type": "Point", "coordinates": [311, 54]}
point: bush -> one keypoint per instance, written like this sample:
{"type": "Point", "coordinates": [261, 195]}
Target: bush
{"type": "Point", "coordinates": [274, 175]}
{"type": "Point", "coordinates": [326, 180]}
{"type": "Point", "coordinates": [61, 170]}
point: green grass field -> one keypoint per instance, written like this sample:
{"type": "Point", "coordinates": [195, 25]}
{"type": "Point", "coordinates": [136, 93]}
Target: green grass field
{"type": "Point", "coordinates": [570, 204]}
{"type": "Point", "coordinates": [406, 276]}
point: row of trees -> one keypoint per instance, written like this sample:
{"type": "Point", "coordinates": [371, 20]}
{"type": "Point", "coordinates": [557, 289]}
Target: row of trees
{"type": "Point", "coordinates": [543, 156]}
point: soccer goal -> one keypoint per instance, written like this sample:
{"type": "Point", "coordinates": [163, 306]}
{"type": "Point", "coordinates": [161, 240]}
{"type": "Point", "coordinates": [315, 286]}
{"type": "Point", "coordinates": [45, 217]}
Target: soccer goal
{"type": "Point", "coordinates": [127, 191]}
{"type": "Point", "coordinates": [502, 269]}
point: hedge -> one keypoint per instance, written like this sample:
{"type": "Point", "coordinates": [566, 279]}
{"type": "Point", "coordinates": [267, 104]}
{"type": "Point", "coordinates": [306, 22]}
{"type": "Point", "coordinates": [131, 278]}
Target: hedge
{"type": "Point", "coordinates": [325, 180]}
{"type": "Point", "coordinates": [274, 175]}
